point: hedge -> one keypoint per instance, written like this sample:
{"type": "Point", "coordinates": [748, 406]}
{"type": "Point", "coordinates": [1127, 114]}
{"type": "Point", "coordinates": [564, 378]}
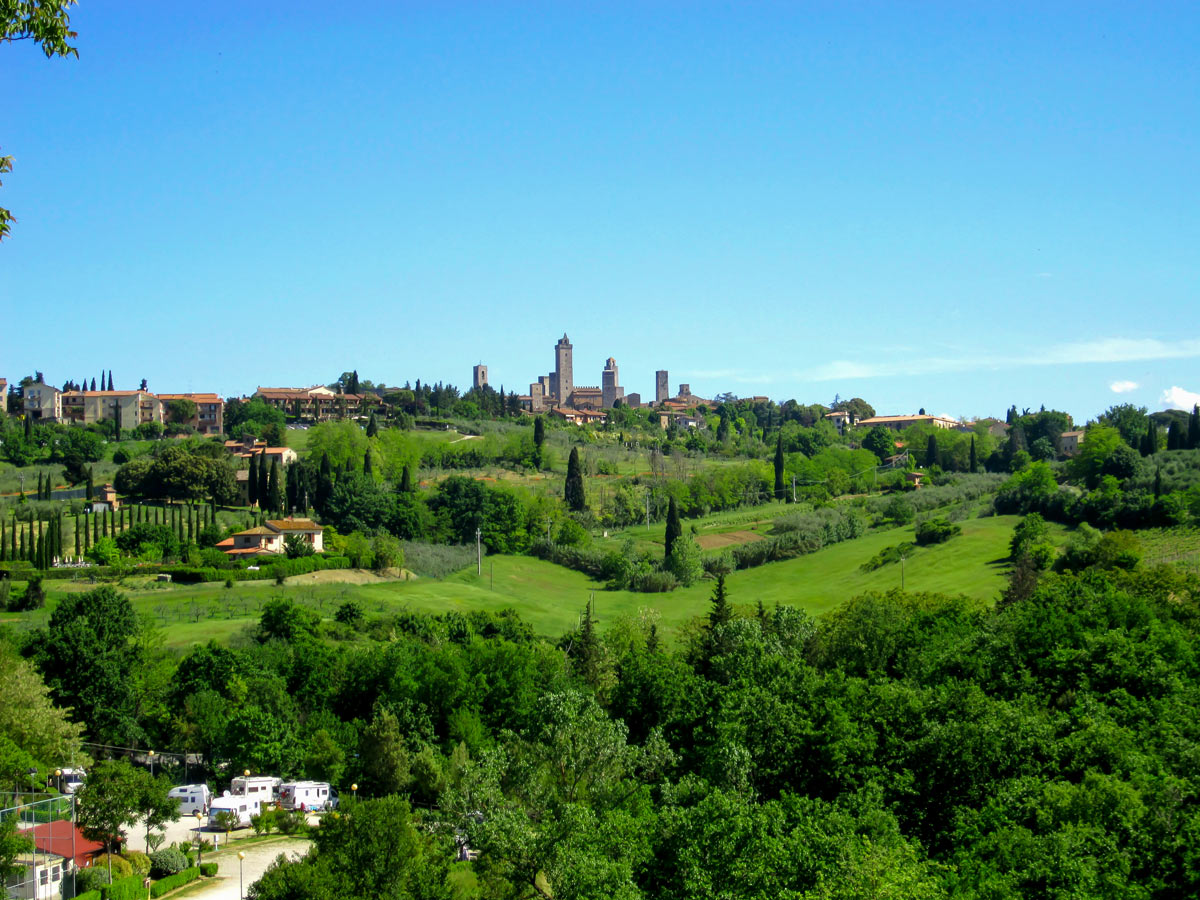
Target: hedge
{"type": "Point", "coordinates": [267, 569]}
{"type": "Point", "coordinates": [208, 870]}
{"type": "Point", "coordinates": [130, 888]}
{"type": "Point", "coordinates": [173, 881]}
{"type": "Point", "coordinates": [88, 895]}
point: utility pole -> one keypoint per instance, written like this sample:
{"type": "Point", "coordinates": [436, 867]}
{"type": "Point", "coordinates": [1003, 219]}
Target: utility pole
{"type": "Point", "coordinates": [478, 553]}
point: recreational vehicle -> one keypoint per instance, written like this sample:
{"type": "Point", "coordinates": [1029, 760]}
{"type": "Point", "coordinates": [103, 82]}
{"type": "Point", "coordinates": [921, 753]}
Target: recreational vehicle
{"type": "Point", "coordinates": [264, 788]}
{"type": "Point", "coordinates": [71, 780]}
{"type": "Point", "coordinates": [244, 807]}
{"type": "Point", "coordinates": [307, 795]}
{"type": "Point", "coordinates": [193, 798]}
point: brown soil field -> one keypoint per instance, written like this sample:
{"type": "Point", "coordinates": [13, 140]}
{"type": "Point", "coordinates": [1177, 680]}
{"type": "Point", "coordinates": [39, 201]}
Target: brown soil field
{"type": "Point", "coordinates": [726, 539]}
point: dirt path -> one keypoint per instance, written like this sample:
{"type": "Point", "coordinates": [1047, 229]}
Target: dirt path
{"type": "Point", "coordinates": [227, 886]}
{"type": "Point", "coordinates": [346, 576]}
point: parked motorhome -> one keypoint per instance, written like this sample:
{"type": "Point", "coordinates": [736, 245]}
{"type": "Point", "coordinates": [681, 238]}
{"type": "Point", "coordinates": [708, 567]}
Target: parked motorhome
{"type": "Point", "coordinates": [307, 795]}
{"type": "Point", "coordinates": [193, 798]}
{"type": "Point", "coordinates": [264, 788]}
{"type": "Point", "coordinates": [71, 780]}
{"type": "Point", "coordinates": [245, 807]}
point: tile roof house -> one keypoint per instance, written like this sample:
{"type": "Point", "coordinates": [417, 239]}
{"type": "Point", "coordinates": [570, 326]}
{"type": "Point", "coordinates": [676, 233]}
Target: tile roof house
{"type": "Point", "coordinates": [901, 422]}
{"type": "Point", "coordinates": [268, 539]}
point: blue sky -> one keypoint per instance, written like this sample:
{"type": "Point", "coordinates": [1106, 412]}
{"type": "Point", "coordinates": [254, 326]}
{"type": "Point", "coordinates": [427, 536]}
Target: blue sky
{"type": "Point", "coordinates": [951, 206]}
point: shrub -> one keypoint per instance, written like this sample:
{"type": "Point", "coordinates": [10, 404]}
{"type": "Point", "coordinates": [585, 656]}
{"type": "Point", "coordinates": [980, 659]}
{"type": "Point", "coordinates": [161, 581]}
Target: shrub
{"type": "Point", "coordinates": [139, 861]}
{"type": "Point", "coordinates": [129, 888]}
{"type": "Point", "coordinates": [173, 881]}
{"type": "Point", "coordinates": [120, 866]}
{"type": "Point", "coordinates": [289, 821]}
{"type": "Point", "coordinates": [936, 531]}
{"type": "Point", "coordinates": [167, 862]}
{"type": "Point", "coordinates": [263, 822]}
{"type": "Point", "coordinates": [887, 556]}
{"type": "Point", "coordinates": [208, 870]}
{"type": "Point", "coordinates": [349, 613]}
{"type": "Point", "coordinates": [91, 879]}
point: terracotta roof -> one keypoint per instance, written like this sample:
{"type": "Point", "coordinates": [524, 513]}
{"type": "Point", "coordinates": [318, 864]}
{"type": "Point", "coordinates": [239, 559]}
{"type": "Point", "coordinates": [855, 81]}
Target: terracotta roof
{"type": "Point", "coordinates": [198, 398]}
{"type": "Point", "coordinates": [228, 542]}
{"type": "Point", "coordinates": [294, 525]}
{"type": "Point", "coordinates": [56, 837]}
{"type": "Point", "coordinates": [257, 529]}
{"type": "Point", "coordinates": [81, 394]}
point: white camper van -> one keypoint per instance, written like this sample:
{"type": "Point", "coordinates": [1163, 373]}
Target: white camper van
{"type": "Point", "coordinates": [307, 795]}
{"type": "Point", "coordinates": [263, 788]}
{"type": "Point", "coordinates": [193, 798]}
{"type": "Point", "coordinates": [71, 780]}
{"type": "Point", "coordinates": [245, 807]}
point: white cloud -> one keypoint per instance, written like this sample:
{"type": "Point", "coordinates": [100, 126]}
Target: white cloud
{"type": "Point", "coordinates": [1178, 398]}
{"type": "Point", "coordinates": [1123, 387]}
{"type": "Point", "coordinates": [1102, 350]}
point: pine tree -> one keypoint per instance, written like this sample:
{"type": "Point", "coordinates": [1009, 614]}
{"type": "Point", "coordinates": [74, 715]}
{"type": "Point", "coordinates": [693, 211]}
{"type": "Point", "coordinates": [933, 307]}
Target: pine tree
{"type": "Point", "coordinates": [275, 488]}
{"type": "Point", "coordinates": [974, 463]}
{"type": "Point", "coordinates": [573, 490]}
{"type": "Point", "coordinates": [372, 425]}
{"type": "Point", "coordinates": [674, 528]}
{"type": "Point", "coordinates": [539, 438]}
{"type": "Point", "coordinates": [779, 466]}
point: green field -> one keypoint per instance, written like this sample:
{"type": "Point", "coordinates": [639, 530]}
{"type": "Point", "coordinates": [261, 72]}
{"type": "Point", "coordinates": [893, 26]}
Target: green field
{"type": "Point", "coordinates": [551, 597]}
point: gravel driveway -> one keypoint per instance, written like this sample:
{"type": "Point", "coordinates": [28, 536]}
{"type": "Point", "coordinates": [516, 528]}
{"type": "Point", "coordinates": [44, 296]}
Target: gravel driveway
{"type": "Point", "coordinates": [258, 857]}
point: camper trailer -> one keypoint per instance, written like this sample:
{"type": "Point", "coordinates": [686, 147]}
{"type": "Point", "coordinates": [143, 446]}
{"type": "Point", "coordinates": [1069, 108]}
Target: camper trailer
{"type": "Point", "coordinates": [263, 788]}
{"type": "Point", "coordinates": [245, 807]}
{"type": "Point", "coordinates": [193, 798]}
{"type": "Point", "coordinates": [307, 795]}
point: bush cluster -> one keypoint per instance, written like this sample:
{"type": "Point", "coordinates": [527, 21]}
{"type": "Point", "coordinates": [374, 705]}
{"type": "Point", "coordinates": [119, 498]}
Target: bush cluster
{"type": "Point", "coordinates": [167, 861]}
{"type": "Point", "coordinates": [173, 881]}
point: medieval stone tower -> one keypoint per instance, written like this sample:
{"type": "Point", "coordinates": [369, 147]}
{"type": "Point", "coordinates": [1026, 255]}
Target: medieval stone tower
{"type": "Point", "coordinates": [661, 391]}
{"type": "Point", "coordinates": [610, 385]}
{"type": "Point", "coordinates": [563, 382]}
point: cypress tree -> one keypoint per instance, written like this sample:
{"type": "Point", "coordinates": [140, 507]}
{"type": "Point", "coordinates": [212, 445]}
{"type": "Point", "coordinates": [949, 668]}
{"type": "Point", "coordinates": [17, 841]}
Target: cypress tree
{"type": "Point", "coordinates": [589, 648]}
{"type": "Point", "coordinates": [1174, 434]}
{"type": "Point", "coordinates": [1193, 434]}
{"type": "Point", "coordinates": [539, 438]}
{"type": "Point", "coordinates": [1150, 441]}
{"type": "Point", "coordinates": [93, 384]}
{"type": "Point", "coordinates": [3, 541]}
{"type": "Point", "coordinates": [674, 528]}
{"type": "Point", "coordinates": [91, 486]}
{"type": "Point", "coordinates": [931, 451]}
{"type": "Point", "coordinates": [721, 611]}
{"type": "Point", "coordinates": [406, 482]}
{"type": "Point", "coordinates": [252, 481]}
{"type": "Point", "coordinates": [1157, 483]}
{"type": "Point", "coordinates": [87, 534]}
{"type": "Point", "coordinates": [324, 483]}
{"type": "Point", "coordinates": [779, 466]}
{"type": "Point", "coordinates": [40, 495]}
{"type": "Point", "coordinates": [275, 489]}
{"type": "Point", "coordinates": [95, 527]}
{"type": "Point", "coordinates": [264, 478]}
{"type": "Point", "coordinates": [368, 470]}
{"type": "Point", "coordinates": [78, 551]}
{"type": "Point", "coordinates": [573, 490]}
{"type": "Point", "coordinates": [372, 426]}
{"type": "Point", "coordinates": [106, 524]}
{"type": "Point", "coordinates": [974, 462]}
{"type": "Point", "coordinates": [28, 428]}
{"type": "Point", "coordinates": [21, 554]}
{"type": "Point", "coordinates": [190, 530]}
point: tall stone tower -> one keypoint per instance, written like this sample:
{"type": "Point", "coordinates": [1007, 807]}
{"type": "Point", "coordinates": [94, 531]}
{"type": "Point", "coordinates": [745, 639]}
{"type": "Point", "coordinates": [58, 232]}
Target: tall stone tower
{"type": "Point", "coordinates": [563, 381]}
{"type": "Point", "coordinates": [661, 391]}
{"type": "Point", "coordinates": [610, 385]}
{"type": "Point", "coordinates": [479, 377]}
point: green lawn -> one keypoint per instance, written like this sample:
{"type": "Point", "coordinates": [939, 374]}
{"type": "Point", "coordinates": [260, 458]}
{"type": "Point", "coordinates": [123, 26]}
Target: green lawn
{"type": "Point", "coordinates": [551, 597]}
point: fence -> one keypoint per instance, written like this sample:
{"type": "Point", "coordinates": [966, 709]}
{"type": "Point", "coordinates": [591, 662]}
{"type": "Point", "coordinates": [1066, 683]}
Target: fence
{"type": "Point", "coordinates": [49, 862]}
